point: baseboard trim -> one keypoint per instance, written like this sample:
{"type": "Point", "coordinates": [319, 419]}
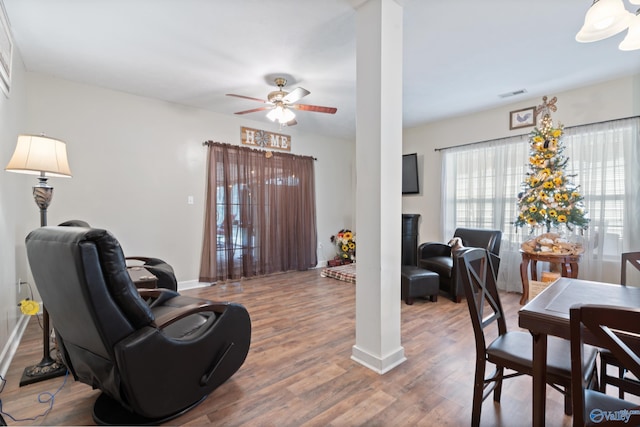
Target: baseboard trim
{"type": "Point", "coordinates": [192, 284]}
{"type": "Point", "coordinates": [10, 349]}
{"type": "Point", "coordinates": [375, 363]}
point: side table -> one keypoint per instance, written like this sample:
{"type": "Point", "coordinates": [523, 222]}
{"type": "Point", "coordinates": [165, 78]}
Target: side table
{"type": "Point", "coordinates": [568, 264]}
{"type": "Point", "coordinates": [142, 278]}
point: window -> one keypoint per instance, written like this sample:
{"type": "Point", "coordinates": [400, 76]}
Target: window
{"type": "Point", "coordinates": [481, 183]}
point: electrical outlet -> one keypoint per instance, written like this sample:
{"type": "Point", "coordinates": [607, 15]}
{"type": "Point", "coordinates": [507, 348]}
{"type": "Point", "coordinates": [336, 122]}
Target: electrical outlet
{"type": "Point", "coordinates": [20, 282]}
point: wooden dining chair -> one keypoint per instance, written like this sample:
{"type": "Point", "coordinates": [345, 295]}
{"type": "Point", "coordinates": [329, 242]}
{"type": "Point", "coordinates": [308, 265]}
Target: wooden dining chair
{"type": "Point", "coordinates": [508, 349]}
{"type": "Point", "coordinates": [612, 327]}
{"type": "Point", "coordinates": [624, 382]}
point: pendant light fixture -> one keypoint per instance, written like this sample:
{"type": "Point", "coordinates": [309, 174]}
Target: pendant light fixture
{"type": "Point", "coordinates": [606, 18]}
{"type": "Point", "coordinates": [632, 40]}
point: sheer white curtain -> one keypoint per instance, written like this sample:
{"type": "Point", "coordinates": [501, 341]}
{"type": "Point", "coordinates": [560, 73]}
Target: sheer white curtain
{"type": "Point", "coordinates": [605, 159]}
{"type": "Point", "coordinates": [481, 182]}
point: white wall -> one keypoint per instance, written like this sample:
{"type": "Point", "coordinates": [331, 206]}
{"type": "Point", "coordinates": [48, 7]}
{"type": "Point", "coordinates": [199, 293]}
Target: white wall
{"type": "Point", "coordinates": [135, 161]}
{"type": "Point", "coordinates": [614, 99]}
{"type": "Point", "coordinates": [12, 122]}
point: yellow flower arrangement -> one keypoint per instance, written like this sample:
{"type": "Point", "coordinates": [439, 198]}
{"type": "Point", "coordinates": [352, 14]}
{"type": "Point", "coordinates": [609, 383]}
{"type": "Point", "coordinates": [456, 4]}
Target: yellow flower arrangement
{"type": "Point", "coordinates": [548, 197]}
{"type": "Point", "coordinates": [345, 241]}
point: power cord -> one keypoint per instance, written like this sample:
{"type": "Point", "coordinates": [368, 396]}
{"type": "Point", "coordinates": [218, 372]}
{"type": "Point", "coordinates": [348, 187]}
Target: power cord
{"type": "Point", "coordinates": [44, 397]}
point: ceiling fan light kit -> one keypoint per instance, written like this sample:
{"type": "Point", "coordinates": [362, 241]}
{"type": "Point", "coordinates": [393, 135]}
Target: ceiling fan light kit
{"type": "Point", "coordinates": [606, 18]}
{"type": "Point", "coordinates": [282, 102]}
{"type": "Point", "coordinates": [281, 115]}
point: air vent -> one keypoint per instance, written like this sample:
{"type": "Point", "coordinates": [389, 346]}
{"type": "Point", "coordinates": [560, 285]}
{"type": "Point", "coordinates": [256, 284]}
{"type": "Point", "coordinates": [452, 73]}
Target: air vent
{"type": "Point", "coordinates": [514, 93]}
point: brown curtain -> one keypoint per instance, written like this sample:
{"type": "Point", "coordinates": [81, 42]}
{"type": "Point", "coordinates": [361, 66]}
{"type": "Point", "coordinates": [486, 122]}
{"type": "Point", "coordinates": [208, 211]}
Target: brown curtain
{"type": "Point", "coordinates": [260, 215]}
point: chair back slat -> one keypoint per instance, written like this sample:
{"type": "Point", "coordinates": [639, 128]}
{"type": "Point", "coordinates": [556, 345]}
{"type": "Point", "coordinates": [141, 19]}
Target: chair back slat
{"type": "Point", "coordinates": [631, 258]}
{"type": "Point", "coordinates": [618, 330]}
{"type": "Point", "coordinates": [479, 282]}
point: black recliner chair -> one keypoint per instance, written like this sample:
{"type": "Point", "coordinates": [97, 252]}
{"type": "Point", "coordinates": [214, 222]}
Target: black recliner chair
{"type": "Point", "coordinates": [437, 257]}
{"type": "Point", "coordinates": [153, 353]}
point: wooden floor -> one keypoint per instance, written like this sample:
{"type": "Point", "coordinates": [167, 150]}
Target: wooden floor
{"type": "Point", "coordinates": [299, 371]}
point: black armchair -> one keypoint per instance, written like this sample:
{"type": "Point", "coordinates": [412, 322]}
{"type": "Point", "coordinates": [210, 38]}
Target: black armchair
{"type": "Point", "coordinates": [437, 257]}
{"type": "Point", "coordinates": [153, 353]}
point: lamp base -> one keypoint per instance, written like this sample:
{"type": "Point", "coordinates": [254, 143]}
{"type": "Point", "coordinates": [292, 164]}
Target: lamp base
{"type": "Point", "coordinates": [45, 370]}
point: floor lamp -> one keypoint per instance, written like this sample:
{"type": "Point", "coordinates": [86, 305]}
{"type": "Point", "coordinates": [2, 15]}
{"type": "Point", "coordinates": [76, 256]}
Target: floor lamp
{"type": "Point", "coordinates": [43, 156]}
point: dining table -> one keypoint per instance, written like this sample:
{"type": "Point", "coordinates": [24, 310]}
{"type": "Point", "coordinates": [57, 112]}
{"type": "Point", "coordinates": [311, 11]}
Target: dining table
{"type": "Point", "coordinates": [548, 314]}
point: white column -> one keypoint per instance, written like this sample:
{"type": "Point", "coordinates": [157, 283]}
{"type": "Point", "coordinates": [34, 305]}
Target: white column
{"type": "Point", "coordinates": [379, 184]}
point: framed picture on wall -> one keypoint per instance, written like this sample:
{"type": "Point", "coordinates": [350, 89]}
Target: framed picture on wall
{"type": "Point", "coordinates": [6, 51]}
{"type": "Point", "coordinates": [522, 118]}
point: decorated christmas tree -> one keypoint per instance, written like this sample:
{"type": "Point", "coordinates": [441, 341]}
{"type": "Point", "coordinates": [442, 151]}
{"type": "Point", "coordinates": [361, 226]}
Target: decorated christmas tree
{"type": "Point", "coordinates": [548, 197]}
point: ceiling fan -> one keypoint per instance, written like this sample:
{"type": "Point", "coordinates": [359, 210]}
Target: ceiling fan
{"type": "Point", "coordinates": [281, 103]}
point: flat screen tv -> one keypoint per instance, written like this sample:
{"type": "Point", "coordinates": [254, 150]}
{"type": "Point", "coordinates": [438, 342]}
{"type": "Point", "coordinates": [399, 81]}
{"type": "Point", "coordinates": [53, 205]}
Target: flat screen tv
{"type": "Point", "coordinates": [410, 174]}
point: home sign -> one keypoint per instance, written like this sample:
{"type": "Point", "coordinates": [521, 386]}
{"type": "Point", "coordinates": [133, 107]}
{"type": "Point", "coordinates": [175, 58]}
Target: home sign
{"type": "Point", "coordinates": [265, 139]}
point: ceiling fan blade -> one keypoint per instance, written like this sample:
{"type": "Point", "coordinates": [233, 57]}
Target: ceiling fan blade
{"type": "Point", "coordinates": [253, 110]}
{"type": "Point", "coordinates": [248, 97]}
{"type": "Point", "coordinates": [296, 94]}
{"type": "Point", "coordinates": [316, 108]}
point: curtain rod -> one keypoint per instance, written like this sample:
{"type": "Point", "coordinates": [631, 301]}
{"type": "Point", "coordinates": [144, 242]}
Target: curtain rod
{"type": "Point", "coordinates": [526, 134]}
{"type": "Point", "coordinates": [210, 143]}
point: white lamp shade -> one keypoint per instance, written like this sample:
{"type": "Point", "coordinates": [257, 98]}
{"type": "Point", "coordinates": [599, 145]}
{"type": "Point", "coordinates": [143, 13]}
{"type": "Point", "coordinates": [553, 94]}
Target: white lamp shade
{"type": "Point", "coordinates": [632, 40]}
{"type": "Point", "coordinates": [604, 18]}
{"type": "Point", "coordinates": [281, 115]}
{"type": "Point", "coordinates": [274, 114]}
{"type": "Point", "coordinates": [36, 154]}
{"type": "Point", "coordinates": [287, 115]}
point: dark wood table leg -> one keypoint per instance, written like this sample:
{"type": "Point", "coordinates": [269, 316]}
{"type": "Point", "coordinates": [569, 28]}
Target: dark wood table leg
{"type": "Point", "coordinates": [534, 269]}
{"type": "Point", "coordinates": [574, 270]}
{"type": "Point", "coordinates": [524, 276]}
{"type": "Point", "coordinates": [566, 269]}
{"type": "Point", "coordinates": [539, 379]}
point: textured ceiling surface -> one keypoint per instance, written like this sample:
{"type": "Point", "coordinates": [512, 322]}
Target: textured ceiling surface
{"type": "Point", "coordinates": [458, 57]}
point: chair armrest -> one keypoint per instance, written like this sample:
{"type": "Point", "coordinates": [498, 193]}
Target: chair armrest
{"type": "Point", "coordinates": [156, 293]}
{"type": "Point", "coordinates": [155, 296]}
{"type": "Point", "coordinates": [138, 258]}
{"type": "Point", "coordinates": [178, 313]}
{"type": "Point", "coordinates": [432, 249]}
{"type": "Point", "coordinates": [150, 292]}
{"type": "Point", "coordinates": [148, 261]}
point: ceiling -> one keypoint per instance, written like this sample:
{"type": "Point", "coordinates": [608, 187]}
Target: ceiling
{"type": "Point", "coordinates": [459, 55]}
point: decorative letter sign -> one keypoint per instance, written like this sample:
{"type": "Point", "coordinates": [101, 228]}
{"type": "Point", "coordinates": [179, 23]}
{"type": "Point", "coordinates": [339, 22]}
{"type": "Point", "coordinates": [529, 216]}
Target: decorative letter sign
{"type": "Point", "coordinates": [264, 139]}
